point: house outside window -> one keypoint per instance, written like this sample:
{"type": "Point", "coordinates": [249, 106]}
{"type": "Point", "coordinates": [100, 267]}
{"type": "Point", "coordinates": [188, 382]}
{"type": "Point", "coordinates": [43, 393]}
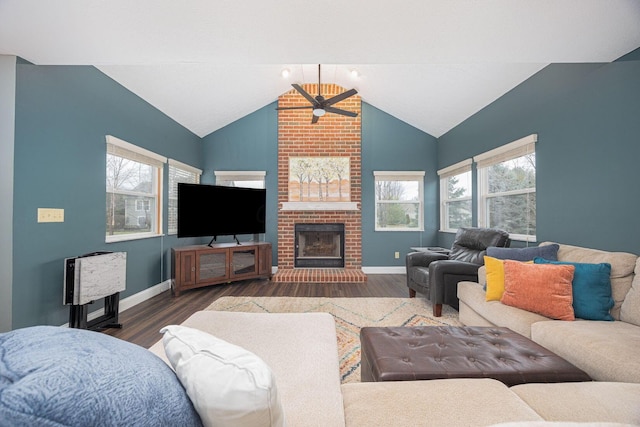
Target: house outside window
{"type": "Point", "coordinates": [178, 172]}
{"type": "Point", "coordinates": [507, 188]}
{"type": "Point", "coordinates": [456, 196]}
{"type": "Point", "coordinates": [399, 200]}
{"type": "Point", "coordinates": [134, 191]}
{"type": "Point", "coordinates": [246, 179]}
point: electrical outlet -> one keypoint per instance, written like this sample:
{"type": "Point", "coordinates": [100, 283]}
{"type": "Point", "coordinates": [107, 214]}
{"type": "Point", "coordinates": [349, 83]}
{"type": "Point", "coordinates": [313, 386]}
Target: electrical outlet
{"type": "Point", "coordinates": [50, 215]}
{"type": "Point", "coordinates": [397, 255]}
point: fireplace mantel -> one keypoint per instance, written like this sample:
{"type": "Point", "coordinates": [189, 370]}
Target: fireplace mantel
{"type": "Point", "coordinates": [319, 206]}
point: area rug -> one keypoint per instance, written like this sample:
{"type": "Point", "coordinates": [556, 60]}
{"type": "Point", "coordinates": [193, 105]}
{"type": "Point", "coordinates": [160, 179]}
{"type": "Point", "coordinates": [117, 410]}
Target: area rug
{"type": "Point", "coordinates": [350, 314]}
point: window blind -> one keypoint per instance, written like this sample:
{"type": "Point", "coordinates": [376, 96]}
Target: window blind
{"type": "Point", "coordinates": [456, 169]}
{"type": "Point", "coordinates": [512, 150]}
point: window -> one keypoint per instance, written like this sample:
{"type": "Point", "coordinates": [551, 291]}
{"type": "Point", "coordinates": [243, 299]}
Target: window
{"type": "Point", "coordinates": [178, 172]}
{"type": "Point", "coordinates": [247, 179]}
{"type": "Point", "coordinates": [455, 196]}
{"type": "Point", "coordinates": [134, 189]}
{"type": "Point", "coordinates": [399, 201]}
{"type": "Point", "coordinates": [507, 188]}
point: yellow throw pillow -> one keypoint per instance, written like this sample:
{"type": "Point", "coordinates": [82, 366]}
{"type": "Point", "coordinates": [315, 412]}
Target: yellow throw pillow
{"type": "Point", "coordinates": [495, 278]}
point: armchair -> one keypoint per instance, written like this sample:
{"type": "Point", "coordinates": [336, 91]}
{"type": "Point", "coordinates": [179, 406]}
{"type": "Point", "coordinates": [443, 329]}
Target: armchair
{"type": "Point", "coordinates": [436, 275]}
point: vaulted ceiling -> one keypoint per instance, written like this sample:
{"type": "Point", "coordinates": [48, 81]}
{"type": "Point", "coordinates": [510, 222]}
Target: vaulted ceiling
{"type": "Point", "coordinates": [430, 63]}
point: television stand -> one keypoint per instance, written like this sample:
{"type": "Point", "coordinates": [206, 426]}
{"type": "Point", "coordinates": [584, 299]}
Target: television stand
{"type": "Point", "coordinates": [218, 263]}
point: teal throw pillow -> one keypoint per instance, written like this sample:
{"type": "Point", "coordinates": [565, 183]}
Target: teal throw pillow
{"type": "Point", "coordinates": [592, 297]}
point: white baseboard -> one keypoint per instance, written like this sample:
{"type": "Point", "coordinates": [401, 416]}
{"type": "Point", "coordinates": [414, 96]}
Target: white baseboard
{"type": "Point", "coordinates": [385, 270]}
{"type": "Point", "coordinates": [133, 300]}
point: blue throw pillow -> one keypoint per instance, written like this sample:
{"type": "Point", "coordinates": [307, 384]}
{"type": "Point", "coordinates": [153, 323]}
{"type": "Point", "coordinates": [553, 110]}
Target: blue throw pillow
{"type": "Point", "coordinates": [54, 376]}
{"type": "Point", "coordinates": [591, 283]}
{"type": "Point", "coordinates": [549, 252]}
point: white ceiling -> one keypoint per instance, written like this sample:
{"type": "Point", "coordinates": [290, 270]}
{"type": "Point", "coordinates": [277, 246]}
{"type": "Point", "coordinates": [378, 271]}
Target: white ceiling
{"type": "Point", "coordinates": [207, 63]}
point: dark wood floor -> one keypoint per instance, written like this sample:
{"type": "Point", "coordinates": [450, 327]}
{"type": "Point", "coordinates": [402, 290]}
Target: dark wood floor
{"type": "Point", "coordinates": [142, 322]}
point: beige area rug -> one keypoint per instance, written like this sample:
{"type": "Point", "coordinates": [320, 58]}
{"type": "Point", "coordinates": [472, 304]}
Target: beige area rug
{"type": "Point", "coordinates": [350, 314]}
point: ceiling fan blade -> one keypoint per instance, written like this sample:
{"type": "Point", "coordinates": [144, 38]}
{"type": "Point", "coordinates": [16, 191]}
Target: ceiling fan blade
{"type": "Point", "coordinates": [294, 108]}
{"type": "Point", "coordinates": [314, 119]}
{"type": "Point", "coordinates": [304, 93]}
{"type": "Point", "coordinates": [339, 111]}
{"type": "Point", "coordinates": [338, 98]}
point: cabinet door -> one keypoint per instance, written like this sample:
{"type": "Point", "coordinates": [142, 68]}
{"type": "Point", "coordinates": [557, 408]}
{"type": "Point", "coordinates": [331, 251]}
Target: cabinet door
{"type": "Point", "coordinates": [264, 260]}
{"type": "Point", "coordinates": [187, 268]}
{"type": "Point", "coordinates": [244, 261]}
{"type": "Point", "coordinates": [212, 265]}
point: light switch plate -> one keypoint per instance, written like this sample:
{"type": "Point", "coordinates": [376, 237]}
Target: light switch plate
{"type": "Point", "coordinates": [50, 215]}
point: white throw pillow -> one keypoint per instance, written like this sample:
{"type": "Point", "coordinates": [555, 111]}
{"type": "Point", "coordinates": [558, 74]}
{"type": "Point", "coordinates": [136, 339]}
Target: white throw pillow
{"type": "Point", "coordinates": [228, 385]}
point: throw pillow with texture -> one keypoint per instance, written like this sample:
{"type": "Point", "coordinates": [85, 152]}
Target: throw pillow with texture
{"type": "Point", "coordinates": [228, 385]}
{"type": "Point", "coordinates": [495, 278]}
{"type": "Point", "coordinates": [55, 376]}
{"type": "Point", "coordinates": [591, 285]}
{"type": "Point", "coordinates": [540, 288]}
{"type": "Point", "coordinates": [549, 252]}
{"type": "Point", "coordinates": [494, 269]}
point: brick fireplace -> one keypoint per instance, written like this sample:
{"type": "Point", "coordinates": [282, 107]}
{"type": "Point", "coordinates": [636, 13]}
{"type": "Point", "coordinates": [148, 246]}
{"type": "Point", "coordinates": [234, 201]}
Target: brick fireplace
{"type": "Point", "coordinates": [334, 139]}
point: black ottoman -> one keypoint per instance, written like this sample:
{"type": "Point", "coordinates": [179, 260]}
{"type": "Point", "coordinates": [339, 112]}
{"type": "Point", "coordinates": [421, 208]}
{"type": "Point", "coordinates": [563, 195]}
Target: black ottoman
{"type": "Point", "coordinates": [436, 352]}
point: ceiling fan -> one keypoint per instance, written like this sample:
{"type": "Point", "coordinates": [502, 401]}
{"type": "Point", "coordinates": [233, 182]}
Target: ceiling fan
{"type": "Point", "coordinates": [321, 105]}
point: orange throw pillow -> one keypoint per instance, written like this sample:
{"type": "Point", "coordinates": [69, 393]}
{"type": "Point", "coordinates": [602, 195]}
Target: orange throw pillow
{"type": "Point", "coordinates": [546, 291]}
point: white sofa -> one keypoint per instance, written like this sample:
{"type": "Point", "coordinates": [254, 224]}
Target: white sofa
{"type": "Point", "coordinates": [301, 350]}
{"type": "Point", "coordinates": [606, 350]}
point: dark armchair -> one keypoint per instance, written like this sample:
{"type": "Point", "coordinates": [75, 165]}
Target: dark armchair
{"type": "Point", "coordinates": [436, 275]}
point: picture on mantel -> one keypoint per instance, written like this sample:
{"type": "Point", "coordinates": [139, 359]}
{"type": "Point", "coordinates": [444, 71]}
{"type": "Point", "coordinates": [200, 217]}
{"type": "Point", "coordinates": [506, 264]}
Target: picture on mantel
{"type": "Point", "coordinates": [319, 179]}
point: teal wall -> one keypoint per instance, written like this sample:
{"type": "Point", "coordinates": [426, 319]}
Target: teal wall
{"type": "Point", "coordinates": [389, 144]}
{"type": "Point", "coordinates": [248, 144]}
{"type": "Point", "coordinates": [251, 143]}
{"type": "Point", "coordinates": [587, 120]}
{"type": "Point", "coordinates": [62, 115]}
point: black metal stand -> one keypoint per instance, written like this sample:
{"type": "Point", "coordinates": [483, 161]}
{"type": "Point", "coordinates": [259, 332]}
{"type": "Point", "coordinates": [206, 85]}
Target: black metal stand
{"type": "Point", "coordinates": [78, 315]}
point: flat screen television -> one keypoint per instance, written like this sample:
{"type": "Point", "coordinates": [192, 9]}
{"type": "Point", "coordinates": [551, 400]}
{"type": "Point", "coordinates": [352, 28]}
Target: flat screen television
{"type": "Point", "coordinates": [214, 210]}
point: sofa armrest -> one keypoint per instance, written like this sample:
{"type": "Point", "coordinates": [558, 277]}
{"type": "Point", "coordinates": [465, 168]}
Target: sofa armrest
{"type": "Point", "coordinates": [423, 259]}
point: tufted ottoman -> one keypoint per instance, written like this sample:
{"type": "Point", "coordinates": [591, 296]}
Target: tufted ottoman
{"type": "Point", "coordinates": [436, 352]}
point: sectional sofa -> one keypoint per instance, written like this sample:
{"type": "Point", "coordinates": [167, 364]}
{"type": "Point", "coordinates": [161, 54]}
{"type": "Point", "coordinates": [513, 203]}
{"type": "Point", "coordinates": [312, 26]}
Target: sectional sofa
{"type": "Point", "coordinates": [301, 350]}
{"type": "Point", "coordinates": [606, 350]}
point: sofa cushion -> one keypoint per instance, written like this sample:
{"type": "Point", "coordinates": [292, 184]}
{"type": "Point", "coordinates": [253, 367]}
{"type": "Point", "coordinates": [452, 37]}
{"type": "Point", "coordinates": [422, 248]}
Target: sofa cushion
{"type": "Point", "coordinates": [622, 266]}
{"type": "Point", "coordinates": [584, 402]}
{"type": "Point", "coordinates": [630, 310]}
{"type": "Point", "coordinates": [450, 402]}
{"type": "Point", "coordinates": [540, 288]}
{"type": "Point", "coordinates": [300, 348]}
{"type": "Point", "coordinates": [549, 252]}
{"type": "Point", "coordinates": [607, 351]}
{"type": "Point", "coordinates": [475, 311]}
{"type": "Point", "coordinates": [54, 376]}
{"type": "Point", "coordinates": [591, 289]}
{"type": "Point", "coordinates": [228, 385]}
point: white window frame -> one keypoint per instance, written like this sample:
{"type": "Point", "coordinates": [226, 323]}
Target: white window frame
{"type": "Point", "coordinates": [178, 172]}
{"type": "Point", "coordinates": [454, 170]}
{"type": "Point", "coordinates": [124, 149]}
{"type": "Point", "coordinates": [417, 176]}
{"type": "Point", "coordinates": [226, 176]}
{"type": "Point", "coordinates": [510, 151]}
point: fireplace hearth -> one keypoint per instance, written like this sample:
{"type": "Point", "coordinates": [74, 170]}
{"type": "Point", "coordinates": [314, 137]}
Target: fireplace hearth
{"type": "Point", "coordinates": [319, 245]}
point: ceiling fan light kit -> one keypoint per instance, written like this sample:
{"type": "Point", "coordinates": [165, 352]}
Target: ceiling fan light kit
{"type": "Point", "coordinates": [320, 105]}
